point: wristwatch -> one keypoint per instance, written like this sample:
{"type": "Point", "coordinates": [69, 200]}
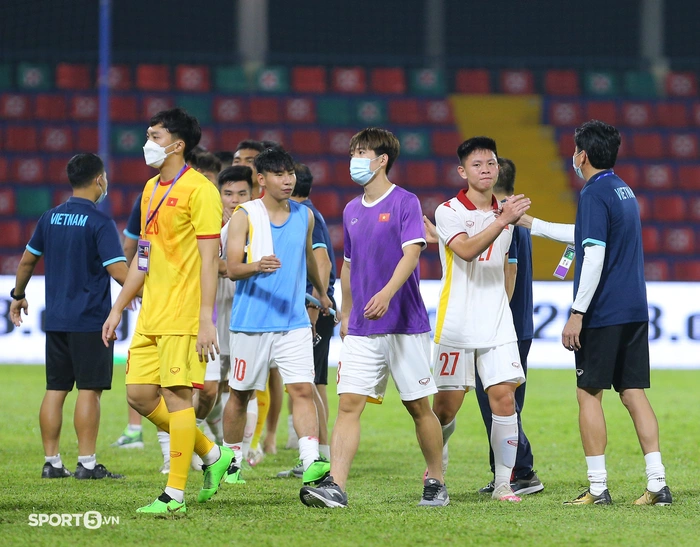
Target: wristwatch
{"type": "Point", "coordinates": [576, 312]}
{"type": "Point", "coordinates": [17, 296]}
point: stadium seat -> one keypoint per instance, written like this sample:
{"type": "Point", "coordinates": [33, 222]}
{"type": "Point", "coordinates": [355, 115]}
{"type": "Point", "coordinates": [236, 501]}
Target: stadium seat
{"type": "Point", "coordinates": [231, 79]}
{"type": "Point", "coordinates": [9, 262]}
{"type": "Point", "coordinates": [629, 172]}
{"type": "Point", "coordinates": [449, 176]}
{"type": "Point", "coordinates": [564, 113]}
{"type": "Point", "coordinates": [335, 230]}
{"type": "Point", "coordinates": [648, 146]}
{"type": "Point", "coordinates": [229, 138]}
{"type": "Point", "coordinates": [33, 202]}
{"type": "Point", "coordinates": [152, 77]}
{"type": "Point", "coordinates": [406, 112]}
{"type": "Point", "coordinates": [439, 112]}
{"type": "Point", "coordinates": [56, 139]}
{"type": "Point", "coordinates": [694, 210]}
{"type": "Point", "coordinates": [477, 81]}
{"type": "Point", "coordinates": [7, 201]}
{"type": "Point", "coordinates": [637, 114]}
{"type": "Point", "coordinates": [123, 109]}
{"type": "Point", "coordinates": [565, 143]}
{"type": "Point", "coordinates": [127, 139]}
{"type": "Point", "coordinates": [644, 206]}
{"type": "Point", "coordinates": [340, 174]}
{"type": "Point", "coordinates": [34, 76]}
{"type": "Point", "coordinates": [390, 81]}
{"type": "Point", "coordinates": [329, 203]}
{"type": "Point", "coordinates": [430, 201]}
{"type": "Point", "coordinates": [561, 82]}
{"type": "Point", "coordinates": [29, 170]}
{"type": "Point", "coordinates": [686, 270]}
{"type": "Point", "coordinates": [198, 106]}
{"type": "Point", "coordinates": [333, 111]}
{"type": "Point", "coordinates": [120, 78]}
{"type": "Point", "coordinates": [349, 80]}
{"type": "Point", "coordinates": [56, 171]}
{"type": "Point", "coordinates": [6, 79]}
{"type": "Point", "coordinates": [640, 84]}
{"type": "Point", "coordinates": [151, 105]}
{"type": "Point", "coordinates": [272, 134]}
{"type": "Point", "coordinates": [73, 77]}
{"type": "Point", "coordinates": [430, 267]}
{"type": "Point", "coordinates": [427, 81]}
{"type": "Point", "coordinates": [210, 138]}
{"type": "Point", "coordinates": [695, 114]}
{"type": "Point", "coordinates": [656, 270]}
{"type": "Point", "coordinates": [300, 110]}
{"type": "Point", "coordinates": [307, 141]}
{"type": "Point", "coordinates": [651, 239]}
{"type": "Point", "coordinates": [20, 138]}
{"type": "Point", "coordinates": [681, 84]}
{"type": "Point", "coordinates": [118, 203]}
{"type": "Point", "coordinates": [659, 176]}
{"type": "Point", "coordinates": [11, 231]}
{"type": "Point", "coordinates": [679, 240]}
{"type": "Point", "coordinates": [61, 195]}
{"type": "Point", "coordinates": [4, 169]}
{"type": "Point", "coordinates": [87, 139]}
{"type": "Point", "coordinates": [445, 143]}
{"type": "Point", "coordinates": [601, 83]}
{"type": "Point", "coordinates": [605, 111]}
{"type": "Point", "coordinates": [626, 149]}
{"type": "Point", "coordinates": [131, 171]}
{"type": "Point", "coordinates": [264, 110]}
{"type": "Point", "coordinates": [669, 208]}
{"type": "Point", "coordinates": [230, 110]}
{"type": "Point", "coordinates": [50, 107]}
{"type": "Point", "coordinates": [672, 114]}
{"type": "Point", "coordinates": [309, 79]}
{"type": "Point", "coordinates": [15, 107]}
{"type": "Point", "coordinates": [370, 112]}
{"type": "Point", "coordinates": [84, 108]}
{"type": "Point", "coordinates": [421, 174]}
{"type": "Point", "coordinates": [517, 82]}
{"type": "Point", "coordinates": [272, 79]}
{"type": "Point", "coordinates": [689, 177]}
{"type": "Point", "coordinates": [320, 170]}
{"type": "Point", "coordinates": [339, 142]}
{"type": "Point", "coordinates": [414, 143]}
{"type": "Point", "coordinates": [192, 78]}
{"type": "Point", "coordinates": [683, 146]}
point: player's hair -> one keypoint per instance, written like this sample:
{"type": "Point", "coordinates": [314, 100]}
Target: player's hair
{"type": "Point", "coordinates": [270, 144]}
{"type": "Point", "coordinates": [208, 162]}
{"type": "Point", "coordinates": [236, 173]}
{"type": "Point", "coordinates": [250, 144]}
{"type": "Point", "coordinates": [83, 168]}
{"type": "Point", "coordinates": [180, 124]}
{"type": "Point", "coordinates": [305, 179]}
{"type": "Point", "coordinates": [274, 160]}
{"type": "Point", "coordinates": [601, 142]}
{"type": "Point", "coordinates": [225, 157]}
{"type": "Point", "coordinates": [192, 157]}
{"type": "Point", "coordinates": [506, 177]}
{"type": "Point", "coordinates": [380, 141]}
{"type": "Point", "coordinates": [474, 144]}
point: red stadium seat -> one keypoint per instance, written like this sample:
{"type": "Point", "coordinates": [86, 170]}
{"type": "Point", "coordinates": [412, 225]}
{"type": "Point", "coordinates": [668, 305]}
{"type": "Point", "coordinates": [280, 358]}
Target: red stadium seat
{"type": "Point", "coordinates": [272, 134]}
{"type": "Point", "coordinates": [445, 143]}
{"type": "Point", "coordinates": [430, 201]}
{"type": "Point", "coordinates": [629, 172]}
{"type": "Point", "coordinates": [264, 110]}
{"type": "Point", "coordinates": [689, 177]}
{"type": "Point", "coordinates": [230, 110]}
{"type": "Point", "coordinates": [339, 142]}
{"type": "Point", "coordinates": [300, 110]}
{"type": "Point", "coordinates": [73, 77]}
{"type": "Point", "coordinates": [669, 208]}
{"type": "Point", "coordinates": [566, 144]}
{"type": "Point", "coordinates": [349, 80]}
{"type": "Point", "coordinates": [651, 239]}
{"type": "Point", "coordinates": [229, 138]}
{"type": "Point", "coordinates": [341, 174]}
{"type": "Point", "coordinates": [679, 240]}
{"type": "Point", "coordinates": [388, 80]}
{"type": "Point", "coordinates": [656, 270]}
{"type": "Point", "coordinates": [15, 107]}
{"type": "Point", "coordinates": [321, 171]}
{"type": "Point", "coordinates": [335, 230]}
{"type": "Point", "coordinates": [687, 270]}
{"type": "Point", "coordinates": [439, 112]}
{"type": "Point", "coordinates": [449, 176]}
{"type": "Point", "coordinates": [11, 231]}
{"type": "Point", "coordinates": [153, 78]}
{"type": "Point", "coordinates": [694, 209]}
{"type": "Point", "coordinates": [118, 203]}
{"type": "Point", "coordinates": [430, 267]}
{"type": "Point", "coordinates": [329, 204]}
{"type": "Point", "coordinates": [56, 170]}
{"type": "Point", "coordinates": [672, 114]}
{"type": "Point", "coordinates": [7, 202]}
{"type": "Point", "coordinates": [123, 109]}
{"type": "Point", "coordinates": [87, 139]}
{"type": "Point", "coordinates": [561, 82]}
{"type": "Point", "coordinates": [84, 108]}
{"type": "Point", "coordinates": [192, 78]}
{"type": "Point", "coordinates": [605, 111]}
{"type": "Point", "coordinates": [150, 105]}
{"type": "Point", "coordinates": [50, 107]}
{"type": "Point", "coordinates": [131, 171]}
{"type": "Point", "coordinates": [56, 139]}
{"type": "Point", "coordinates": [307, 141]}
{"type": "Point", "coordinates": [309, 79]}
{"type": "Point", "coordinates": [644, 207]}
{"type": "Point", "coordinates": [10, 262]}
{"type": "Point", "coordinates": [648, 146]}
{"type": "Point", "coordinates": [681, 84]}
{"type": "Point", "coordinates": [120, 77]}
{"type": "Point", "coordinates": [422, 174]}
{"type": "Point", "coordinates": [683, 146]}
{"type": "Point", "coordinates": [30, 170]}
{"type": "Point", "coordinates": [517, 82]}
{"type": "Point", "coordinates": [406, 111]}
{"type": "Point", "coordinates": [61, 196]}
{"type": "Point", "coordinates": [565, 113]}
{"type": "Point", "coordinates": [473, 81]}
{"type": "Point", "coordinates": [659, 176]}
{"type": "Point", "coordinates": [4, 170]}
{"type": "Point", "coordinates": [695, 114]}
{"type": "Point", "coordinates": [637, 114]}
{"type": "Point", "coordinates": [20, 138]}
{"type": "Point", "coordinates": [210, 138]}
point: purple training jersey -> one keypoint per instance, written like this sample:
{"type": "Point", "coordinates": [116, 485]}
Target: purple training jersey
{"type": "Point", "coordinates": [375, 235]}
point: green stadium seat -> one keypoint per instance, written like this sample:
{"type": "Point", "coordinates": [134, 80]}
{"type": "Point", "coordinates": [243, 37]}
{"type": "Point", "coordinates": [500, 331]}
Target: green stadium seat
{"type": "Point", "coordinates": [427, 81]}
{"type": "Point", "coordinates": [199, 107]}
{"type": "Point", "coordinates": [370, 112]}
{"type": "Point", "coordinates": [5, 77]}
{"type": "Point", "coordinates": [601, 83]}
{"type": "Point", "coordinates": [640, 84]}
{"type": "Point", "coordinates": [32, 202]}
{"type": "Point", "coordinates": [272, 80]}
{"type": "Point", "coordinates": [332, 111]}
{"type": "Point", "coordinates": [34, 76]}
{"type": "Point", "coordinates": [127, 140]}
{"type": "Point", "coordinates": [231, 79]}
{"type": "Point", "coordinates": [415, 144]}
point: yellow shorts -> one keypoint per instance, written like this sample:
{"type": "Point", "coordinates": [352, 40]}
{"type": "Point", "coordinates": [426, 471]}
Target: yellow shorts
{"type": "Point", "coordinates": [167, 361]}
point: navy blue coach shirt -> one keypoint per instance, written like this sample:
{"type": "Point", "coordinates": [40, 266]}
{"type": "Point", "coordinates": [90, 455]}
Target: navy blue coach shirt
{"type": "Point", "coordinates": [520, 253]}
{"type": "Point", "coordinates": [321, 238]}
{"type": "Point", "coordinates": [133, 226]}
{"type": "Point", "coordinates": [78, 242]}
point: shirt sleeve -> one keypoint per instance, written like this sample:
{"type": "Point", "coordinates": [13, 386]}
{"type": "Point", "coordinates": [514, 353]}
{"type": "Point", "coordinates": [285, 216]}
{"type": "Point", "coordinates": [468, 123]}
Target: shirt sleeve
{"type": "Point", "coordinates": [36, 242]}
{"type": "Point", "coordinates": [207, 211]}
{"type": "Point", "coordinates": [133, 226]}
{"type": "Point", "coordinates": [514, 246]}
{"type": "Point", "coordinates": [594, 218]}
{"type": "Point", "coordinates": [448, 223]}
{"type": "Point", "coordinates": [347, 244]}
{"type": "Point", "coordinates": [108, 245]}
{"type": "Point", "coordinates": [412, 228]}
{"type": "Point", "coordinates": [317, 239]}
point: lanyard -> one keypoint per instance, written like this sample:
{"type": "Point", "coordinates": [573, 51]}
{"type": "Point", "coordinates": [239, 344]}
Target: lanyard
{"type": "Point", "coordinates": [149, 215]}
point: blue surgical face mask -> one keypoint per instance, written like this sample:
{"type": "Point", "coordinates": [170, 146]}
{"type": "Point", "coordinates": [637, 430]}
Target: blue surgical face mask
{"type": "Point", "coordinates": [577, 170]}
{"type": "Point", "coordinates": [103, 194]}
{"type": "Point", "coordinates": [360, 170]}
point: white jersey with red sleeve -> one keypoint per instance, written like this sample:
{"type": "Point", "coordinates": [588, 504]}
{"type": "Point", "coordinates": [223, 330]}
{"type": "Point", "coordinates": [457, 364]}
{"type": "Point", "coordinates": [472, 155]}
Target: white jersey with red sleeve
{"type": "Point", "coordinates": [473, 310]}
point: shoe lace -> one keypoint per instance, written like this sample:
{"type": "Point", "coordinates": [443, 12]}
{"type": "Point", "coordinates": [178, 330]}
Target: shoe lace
{"type": "Point", "coordinates": [431, 490]}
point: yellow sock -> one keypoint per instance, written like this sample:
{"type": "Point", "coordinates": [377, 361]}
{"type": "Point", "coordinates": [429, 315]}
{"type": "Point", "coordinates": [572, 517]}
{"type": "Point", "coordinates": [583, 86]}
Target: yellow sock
{"type": "Point", "coordinates": [263, 409]}
{"type": "Point", "coordinates": [183, 425]}
{"type": "Point", "coordinates": [161, 417]}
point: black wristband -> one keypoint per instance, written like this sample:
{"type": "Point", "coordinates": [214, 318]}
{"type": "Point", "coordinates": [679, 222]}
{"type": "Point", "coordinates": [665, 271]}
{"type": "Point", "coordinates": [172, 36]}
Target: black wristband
{"type": "Point", "coordinates": [17, 296]}
{"type": "Point", "coordinates": [576, 312]}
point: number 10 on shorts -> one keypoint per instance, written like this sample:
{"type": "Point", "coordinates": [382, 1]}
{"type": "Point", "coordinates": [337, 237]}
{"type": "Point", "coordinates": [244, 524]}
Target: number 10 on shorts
{"type": "Point", "coordinates": [239, 369]}
{"type": "Point", "coordinates": [448, 362]}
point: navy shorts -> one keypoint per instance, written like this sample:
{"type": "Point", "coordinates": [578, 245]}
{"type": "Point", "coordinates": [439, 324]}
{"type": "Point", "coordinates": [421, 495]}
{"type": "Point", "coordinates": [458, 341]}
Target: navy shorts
{"type": "Point", "coordinates": [79, 358]}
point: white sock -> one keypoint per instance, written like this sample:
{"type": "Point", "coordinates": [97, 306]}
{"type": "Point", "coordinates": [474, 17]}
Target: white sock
{"type": "Point", "coordinates": [656, 472]}
{"type": "Point", "coordinates": [325, 451]}
{"type": "Point", "coordinates": [132, 427]}
{"type": "Point", "coordinates": [177, 495]}
{"type": "Point", "coordinates": [237, 452]}
{"type": "Point", "coordinates": [597, 474]}
{"type": "Point", "coordinates": [504, 441]}
{"type": "Point", "coordinates": [55, 461]}
{"type": "Point", "coordinates": [448, 430]}
{"type": "Point", "coordinates": [215, 423]}
{"type": "Point", "coordinates": [308, 450]}
{"type": "Point", "coordinates": [164, 440]}
{"type": "Point", "coordinates": [212, 456]}
{"type": "Point", "coordinates": [88, 462]}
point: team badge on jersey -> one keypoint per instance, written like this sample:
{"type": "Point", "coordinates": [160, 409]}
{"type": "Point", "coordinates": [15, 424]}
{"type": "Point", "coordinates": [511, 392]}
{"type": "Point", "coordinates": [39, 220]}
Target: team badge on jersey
{"type": "Point", "coordinates": [384, 217]}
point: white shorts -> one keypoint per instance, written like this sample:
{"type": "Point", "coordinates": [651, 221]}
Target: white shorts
{"type": "Point", "coordinates": [454, 368]}
{"type": "Point", "coordinates": [223, 321]}
{"type": "Point", "coordinates": [367, 361]}
{"type": "Point", "coordinates": [213, 373]}
{"type": "Point", "coordinates": [252, 355]}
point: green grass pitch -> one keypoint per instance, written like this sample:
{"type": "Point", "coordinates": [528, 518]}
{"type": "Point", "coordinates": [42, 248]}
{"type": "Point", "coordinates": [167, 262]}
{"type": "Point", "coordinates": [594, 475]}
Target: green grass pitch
{"type": "Point", "coordinates": [385, 481]}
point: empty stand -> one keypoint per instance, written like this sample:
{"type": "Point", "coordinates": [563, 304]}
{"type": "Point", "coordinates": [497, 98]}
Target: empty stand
{"type": "Point", "coordinates": [309, 79]}
{"type": "Point", "coordinates": [15, 107]}
{"type": "Point", "coordinates": [445, 143]}
{"type": "Point", "coordinates": [517, 82]}
{"type": "Point", "coordinates": [681, 84]}
{"type": "Point", "coordinates": [50, 107]}
{"type": "Point", "coordinates": [264, 110]}
{"type": "Point", "coordinates": [20, 138]}
{"type": "Point", "coordinates": [57, 139]}
{"type": "Point", "coordinates": [679, 240]}
{"type": "Point", "coordinates": [388, 80]}
{"type": "Point", "coordinates": [7, 202]}
{"type": "Point", "coordinates": [561, 82]}
{"type": "Point", "coordinates": [687, 270]}
{"type": "Point", "coordinates": [153, 77]}
{"type": "Point", "coordinates": [672, 114]}
{"type": "Point", "coordinates": [421, 174]}
{"type": "Point", "coordinates": [605, 111]}
{"type": "Point", "coordinates": [683, 146]}
{"type": "Point", "coordinates": [84, 108]}
{"type": "Point", "coordinates": [73, 77]}
{"type": "Point", "coordinates": [669, 208]}
{"type": "Point", "coordinates": [648, 145]}
{"type": "Point", "coordinates": [656, 270]}
{"type": "Point", "coordinates": [565, 113]}
{"type": "Point", "coordinates": [230, 110]}
{"type": "Point", "coordinates": [11, 231]}
{"type": "Point", "coordinates": [406, 112]}
{"type": "Point", "coordinates": [689, 177]}
{"type": "Point", "coordinates": [300, 110]}
{"type": "Point", "coordinates": [473, 81]}
{"type": "Point", "coordinates": [192, 78]}
{"type": "Point", "coordinates": [349, 80]}
{"type": "Point", "coordinates": [152, 104]}
{"type": "Point", "coordinates": [638, 114]}
{"type": "Point", "coordinates": [329, 204]}
{"type": "Point", "coordinates": [307, 141]}
{"type": "Point", "coordinates": [659, 176]}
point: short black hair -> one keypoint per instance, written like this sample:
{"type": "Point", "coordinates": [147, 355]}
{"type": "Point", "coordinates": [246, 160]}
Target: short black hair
{"type": "Point", "coordinates": [250, 144]}
{"type": "Point", "coordinates": [506, 177]}
{"type": "Point", "coordinates": [305, 179]}
{"type": "Point", "coordinates": [274, 160]}
{"type": "Point", "coordinates": [83, 168]}
{"type": "Point", "coordinates": [270, 144]}
{"type": "Point", "coordinates": [600, 140]}
{"type": "Point", "coordinates": [208, 162]}
{"type": "Point", "coordinates": [474, 144]}
{"type": "Point", "coordinates": [236, 173]}
{"type": "Point", "coordinates": [225, 157]}
{"type": "Point", "coordinates": [179, 123]}
{"type": "Point", "coordinates": [193, 156]}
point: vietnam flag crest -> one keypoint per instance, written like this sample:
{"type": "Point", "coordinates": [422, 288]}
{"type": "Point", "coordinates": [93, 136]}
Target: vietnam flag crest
{"type": "Point", "coordinates": [172, 202]}
{"type": "Point", "coordinates": [384, 217]}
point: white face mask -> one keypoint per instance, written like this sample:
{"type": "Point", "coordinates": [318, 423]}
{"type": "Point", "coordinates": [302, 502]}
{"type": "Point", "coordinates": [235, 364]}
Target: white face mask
{"type": "Point", "coordinates": [577, 170]}
{"type": "Point", "coordinates": [360, 171]}
{"type": "Point", "coordinates": [103, 194]}
{"type": "Point", "coordinates": [154, 154]}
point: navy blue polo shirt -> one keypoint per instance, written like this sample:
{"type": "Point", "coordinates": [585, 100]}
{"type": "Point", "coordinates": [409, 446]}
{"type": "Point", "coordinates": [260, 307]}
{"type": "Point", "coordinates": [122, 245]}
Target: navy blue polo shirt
{"type": "Point", "coordinates": [133, 226]}
{"type": "Point", "coordinates": [77, 241]}
{"type": "Point", "coordinates": [321, 238]}
{"type": "Point", "coordinates": [520, 253]}
{"type": "Point", "coordinates": [608, 215]}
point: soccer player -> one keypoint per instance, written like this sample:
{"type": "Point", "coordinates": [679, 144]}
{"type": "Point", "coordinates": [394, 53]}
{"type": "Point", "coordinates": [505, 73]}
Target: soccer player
{"type": "Point", "coordinates": [269, 322]}
{"type": "Point", "coordinates": [384, 323]}
{"type": "Point", "coordinates": [245, 154]}
{"type": "Point", "coordinates": [81, 249]}
{"type": "Point", "coordinates": [225, 157]}
{"type": "Point", "coordinates": [608, 334]}
{"type": "Point", "coordinates": [474, 325]}
{"type": "Point", "coordinates": [210, 166]}
{"type": "Point", "coordinates": [177, 265]}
